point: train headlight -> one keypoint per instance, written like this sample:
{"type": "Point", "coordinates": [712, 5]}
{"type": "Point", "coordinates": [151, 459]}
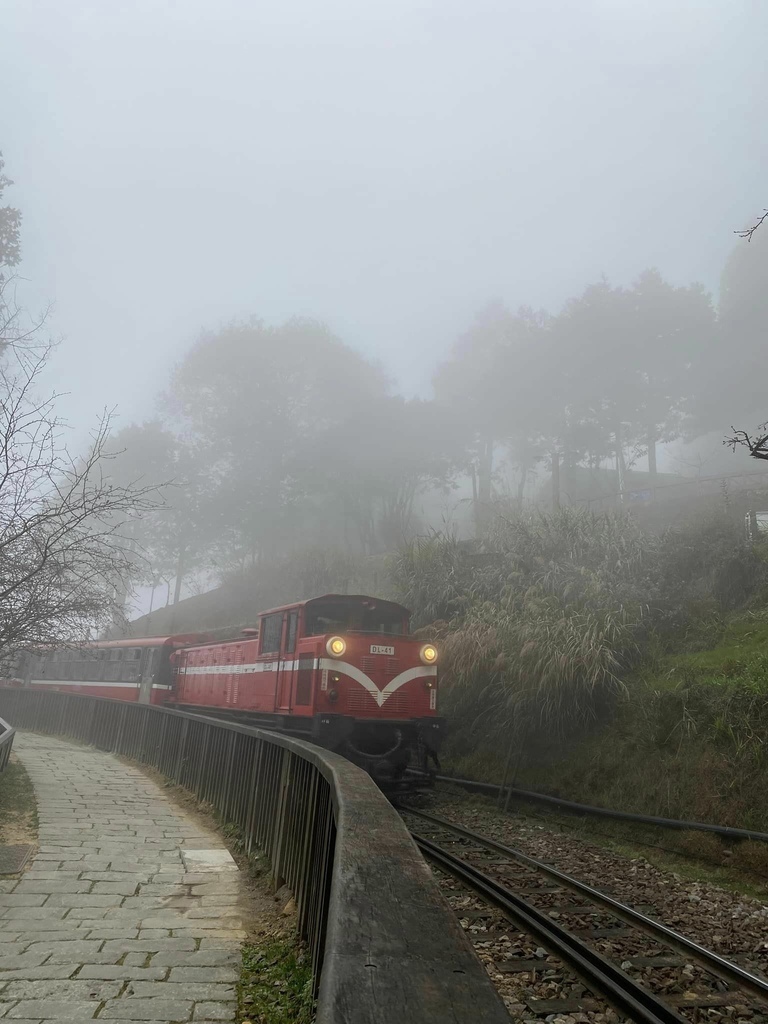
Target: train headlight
{"type": "Point", "coordinates": [336, 646]}
{"type": "Point", "coordinates": [428, 654]}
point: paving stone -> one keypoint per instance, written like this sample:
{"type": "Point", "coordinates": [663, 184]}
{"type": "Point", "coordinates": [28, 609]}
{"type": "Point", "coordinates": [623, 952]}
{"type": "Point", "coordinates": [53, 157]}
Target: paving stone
{"type": "Point", "coordinates": [12, 963]}
{"type": "Point", "coordinates": [116, 876]}
{"type": "Point", "coordinates": [162, 890]}
{"type": "Point", "coordinates": [217, 888]}
{"type": "Point", "coordinates": [213, 991]}
{"type": "Point", "coordinates": [73, 989]}
{"type": "Point", "coordinates": [204, 974]}
{"type": "Point", "coordinates": [150, 945]}
{"type": "Point", "coordinates": [89, 899]}
{"type": "Point", "coordinates": [123, 972]}
{"type": "Point", "coordinates": [54, 1009]}
{"type": "Point", "coordinates": [112, 933]}
{"type": "Point", "coordinates": [135, 959]}
{"type": "Point", "coordinates": [199, 958]}
{"type": "Point", "coordinates": [46, 972]}
{"type": "Point", "coordinates": [133, 1008]}
{"type": "Point", "coordinates": [34, 913]}
{"type": "Point", "coordinates": [112, 912]}
{"type": "Point", "coordinates": [207, 861]}
{"type": "Point", "coordinates": [143, 903]}
{"type": "Point", "coordinates": [34, 924]}
{"type": "Point", "coordinates": [214, 1011]}
{"type": "Point", "coordinates": [73, 949]}
{"type": "Point", "coordinates": [126, 888]}
{"type": "Point", "coordinates": [48, 886]}
{"type": "Point", "coordinates": [87, 913]}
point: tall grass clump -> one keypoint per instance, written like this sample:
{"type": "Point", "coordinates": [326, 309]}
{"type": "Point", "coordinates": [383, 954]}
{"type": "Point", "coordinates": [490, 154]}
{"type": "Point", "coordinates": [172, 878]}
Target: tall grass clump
{"type": "Point", "coordinates": [541, 623]}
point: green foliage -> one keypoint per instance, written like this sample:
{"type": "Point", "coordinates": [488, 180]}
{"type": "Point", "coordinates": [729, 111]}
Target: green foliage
{"type": "Point", "coordinates": [251, 399]}
{"type": "Point", "coordinates": [10, 227]}
{"type": "Point", "coordinates": [539, 634]}
{"type": "Point", "coordinates": [275, 983]}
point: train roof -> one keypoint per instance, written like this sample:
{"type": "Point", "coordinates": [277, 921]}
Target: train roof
{"type": "Point", "coordinates": [149, 641]}
{"type": "Point", "coordinates": [347, 598]}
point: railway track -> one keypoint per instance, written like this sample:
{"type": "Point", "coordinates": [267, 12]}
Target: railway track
{"type": "Point", "coordinates": [644, 969]}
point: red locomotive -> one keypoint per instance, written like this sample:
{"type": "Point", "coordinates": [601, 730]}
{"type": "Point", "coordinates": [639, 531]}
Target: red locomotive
{"type": "Point", "coordinates": [339, 670]}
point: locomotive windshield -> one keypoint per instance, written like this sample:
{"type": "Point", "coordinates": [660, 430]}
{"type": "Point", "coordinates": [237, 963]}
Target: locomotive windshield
{"type": "Point", "coordinates": [353, 617]}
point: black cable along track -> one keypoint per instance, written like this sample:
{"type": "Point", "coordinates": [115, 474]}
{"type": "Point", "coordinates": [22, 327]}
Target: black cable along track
{"type": "Point", "coordinates": [617, 986]}
{"type": "Point", "coordinates": [527, 796]}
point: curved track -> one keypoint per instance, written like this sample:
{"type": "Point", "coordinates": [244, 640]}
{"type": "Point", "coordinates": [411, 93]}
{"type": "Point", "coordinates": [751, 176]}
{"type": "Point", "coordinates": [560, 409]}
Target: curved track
{"type": "Point", "coordinates": [486, 866]}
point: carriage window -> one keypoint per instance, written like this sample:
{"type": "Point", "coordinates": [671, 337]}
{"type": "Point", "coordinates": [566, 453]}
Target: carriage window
{"type": "Point", "coordinates": [133, 654]}
{"type": "Point", "coordinates": [116, 654]}
{"type": "Point", "coordinates": [290, 639]}
{"type": "Point", "coordinates": [271, 631]}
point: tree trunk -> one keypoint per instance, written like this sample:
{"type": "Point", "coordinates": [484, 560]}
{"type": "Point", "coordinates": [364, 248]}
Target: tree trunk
{"type": "Point", "coordinates": [555, 481]}
{"type": "Point", "coordinates": [521, 483]}
{"type": "Point", "coordinates": [484, 474]}
{"type": "Point", "coordinates": [180, 566]}
{"type": "Point", "coordinates": [621, 466]}
{"type": "Point", "coordinates": [652, 458]}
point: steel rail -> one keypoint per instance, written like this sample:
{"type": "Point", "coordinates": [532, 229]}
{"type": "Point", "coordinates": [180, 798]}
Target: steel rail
{"type": "Point", "coordinates": [598, 972]}
{"type": "Point", "coordinates": [712, 962]}
{"type": "Point", "coordinates": [530, 796]}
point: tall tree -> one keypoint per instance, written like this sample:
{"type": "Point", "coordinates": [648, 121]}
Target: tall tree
{"type": "Point", "coordinates": [503, 384]}
{"type": "Point", "coordinates": [631, 353]}
{"type": "Point", "coordinates": [729, 371]}
{"type": "Point", "coordinates": [380, 463]}
{"type": "Point", "coordinates": [249, 398]}
{"type": "Point", "coordinates": [176, 537]}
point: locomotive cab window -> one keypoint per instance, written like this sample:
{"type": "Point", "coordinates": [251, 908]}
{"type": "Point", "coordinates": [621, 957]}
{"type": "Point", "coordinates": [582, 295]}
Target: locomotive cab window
{"type": "Point", "coordinates": [356, 617]}
{"type": "Point", "coordinates": [271, 633]}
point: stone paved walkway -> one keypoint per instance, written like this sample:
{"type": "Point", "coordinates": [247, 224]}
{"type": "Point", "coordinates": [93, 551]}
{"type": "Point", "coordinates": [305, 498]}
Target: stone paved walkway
{"type": "Point", "coordinates": [130, 911]}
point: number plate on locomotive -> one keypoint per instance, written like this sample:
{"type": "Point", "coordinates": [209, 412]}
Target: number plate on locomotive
{"type": "Point", "coordinates": [376, 649]}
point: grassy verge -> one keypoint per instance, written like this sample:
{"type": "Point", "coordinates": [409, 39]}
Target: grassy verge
{"type": "Point", "coordinates": [276, 983]}
{"type": "Point", "coordinates": [692, 856]}
{"type": "Point", "coordinates": [18, 808]}
{"type": "Point", "coordinates": [687, 741]}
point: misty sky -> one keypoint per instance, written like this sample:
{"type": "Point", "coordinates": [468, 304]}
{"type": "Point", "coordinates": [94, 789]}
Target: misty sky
{"type": "Point", "coordinates": [385, 165]}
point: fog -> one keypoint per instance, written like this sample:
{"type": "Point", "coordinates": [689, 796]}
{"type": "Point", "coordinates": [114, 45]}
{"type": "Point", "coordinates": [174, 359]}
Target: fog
{"type": "Point", "coordinates": [386, 167]}
{"type": "Point", "coordinates": [409, 175]}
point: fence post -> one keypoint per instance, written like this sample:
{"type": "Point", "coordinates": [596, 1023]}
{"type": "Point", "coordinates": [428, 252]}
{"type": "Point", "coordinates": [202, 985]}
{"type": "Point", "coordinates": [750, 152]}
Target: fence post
{"type": "Point", "coordinates": [182, 751]}
{"type": "Point", "coordinates": [276, 859]}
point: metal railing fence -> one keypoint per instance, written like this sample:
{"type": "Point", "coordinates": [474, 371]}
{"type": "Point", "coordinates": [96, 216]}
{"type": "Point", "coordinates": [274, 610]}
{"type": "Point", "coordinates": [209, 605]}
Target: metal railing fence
{"type": "Point", "coordinates": [384, 944]}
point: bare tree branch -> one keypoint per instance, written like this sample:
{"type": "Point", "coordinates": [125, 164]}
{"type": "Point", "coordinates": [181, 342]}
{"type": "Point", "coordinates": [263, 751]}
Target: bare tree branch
{"type": "Point", "coordinates": [758, 446]}
{"type": "Point", "coordinates": [748, 232]}
{"type": "Point", "coordinates": [66, 556]}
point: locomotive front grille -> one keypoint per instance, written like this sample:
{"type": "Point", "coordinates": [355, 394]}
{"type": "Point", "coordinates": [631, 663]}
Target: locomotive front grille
{"type": "Point", "coordinates": [360, 702]}
{"type": "Point", "coordinates": [380, 668]}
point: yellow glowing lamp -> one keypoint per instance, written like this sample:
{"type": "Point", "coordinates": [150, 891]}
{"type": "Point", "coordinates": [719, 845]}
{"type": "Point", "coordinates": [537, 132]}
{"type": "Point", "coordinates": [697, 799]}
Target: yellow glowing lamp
{"type": "Point", "coordinates": [336, 646]}
{"type": "Point", "coordinates": [428, 654]}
